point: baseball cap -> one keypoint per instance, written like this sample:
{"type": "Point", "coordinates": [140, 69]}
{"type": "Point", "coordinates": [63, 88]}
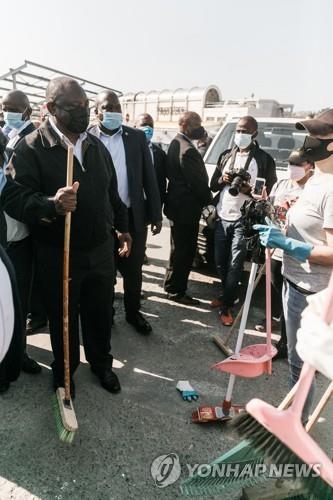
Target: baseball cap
{"type": "Point", "coordinates": [321, 125]}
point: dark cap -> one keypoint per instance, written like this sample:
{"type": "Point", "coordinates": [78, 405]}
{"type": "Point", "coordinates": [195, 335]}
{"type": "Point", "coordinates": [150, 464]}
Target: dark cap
{"type": "Point", "coordinates": [321, 125]}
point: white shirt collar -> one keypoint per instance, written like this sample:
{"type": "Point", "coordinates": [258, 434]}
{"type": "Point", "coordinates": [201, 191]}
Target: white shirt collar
{"type": "Point", "coordinates": [100, 132]}
{"type": "Point", "coordinates": [14, 132]}
{"type": "Point", "coordinates": [62, 136]}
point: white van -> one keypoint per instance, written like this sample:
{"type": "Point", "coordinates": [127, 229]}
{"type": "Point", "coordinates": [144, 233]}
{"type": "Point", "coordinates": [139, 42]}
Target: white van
{"type": "Point", "coordinates": [277, 136]}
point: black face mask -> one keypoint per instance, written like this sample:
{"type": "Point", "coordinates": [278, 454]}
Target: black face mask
{"type": "Point", "coordinates": [79, 119]}
{"type": "Point", "coordinates": [315, 149]}
{"type": "Point", "coordinates": [197, 133]}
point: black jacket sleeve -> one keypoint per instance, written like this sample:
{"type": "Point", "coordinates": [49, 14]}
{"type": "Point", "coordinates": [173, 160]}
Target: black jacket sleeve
{"type": "Point", "coordinates": [160, 165]}
{"type": "Point", "coordinates": [214, 184]}
{"type": "Point", "coordinates": [150, 185]}
{"type": "Point", "coordinates": [22, 198]}
{"type": "Point", "coordinates": [271, 177]}
{"type": "Point", "coordinates": [194, 171]}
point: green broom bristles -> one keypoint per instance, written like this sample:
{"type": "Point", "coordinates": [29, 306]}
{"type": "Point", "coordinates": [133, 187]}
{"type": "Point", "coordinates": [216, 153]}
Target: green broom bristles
{"type": "Point", "coordinates": [64, 434]}
{"type": "Point", "coordinates": [275, 451]}
{"type": "Point", "coordinates": [241, 455]}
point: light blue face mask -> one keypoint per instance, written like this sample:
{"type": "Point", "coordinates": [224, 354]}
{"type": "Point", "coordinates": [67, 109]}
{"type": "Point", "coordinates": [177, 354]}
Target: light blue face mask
{"type": "Point", "coordinates": [13, 120]}
{"type": "Point", "coordinates": [112, 120]}
{"type": "Point", "coordinates": [149, 131]}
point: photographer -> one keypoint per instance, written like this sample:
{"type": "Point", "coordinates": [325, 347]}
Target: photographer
{"type": "Point", "coordinates": [237, 168]}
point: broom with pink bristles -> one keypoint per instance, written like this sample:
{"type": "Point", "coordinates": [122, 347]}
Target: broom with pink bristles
{"type": "Point", "coordinates": [280, 435]}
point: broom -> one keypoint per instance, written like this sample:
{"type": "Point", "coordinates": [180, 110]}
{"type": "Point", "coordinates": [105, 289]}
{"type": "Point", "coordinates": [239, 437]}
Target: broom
{"type": "Point", "coordinates": [280, 435]}
{"type": "Point", "coordinates": [244, 455]}
{"type": "Point", "coordinates": [240, 455]}
{"type": "Point", "coordinates": [63, 407]}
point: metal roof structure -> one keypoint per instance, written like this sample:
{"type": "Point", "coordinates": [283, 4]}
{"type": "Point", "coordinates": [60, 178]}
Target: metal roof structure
{"type": "Point", "coordinates": [32, 78]}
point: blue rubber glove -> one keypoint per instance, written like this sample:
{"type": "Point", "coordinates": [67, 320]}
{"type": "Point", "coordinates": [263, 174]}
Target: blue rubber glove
{"type": "Point", "coordinates": [187, 391]}
{"type": "Point", "coordinates": [272, 237]}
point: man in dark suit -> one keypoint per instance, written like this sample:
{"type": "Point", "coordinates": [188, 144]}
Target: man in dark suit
{"type": "Point", "coordinates": [188, 193]}
{"type": "Point", "coordinates": [145, 123]}
{"type": "Point", "coordinates": [17, 112]}
{"type": "Point", "coordinates": [138, 190]}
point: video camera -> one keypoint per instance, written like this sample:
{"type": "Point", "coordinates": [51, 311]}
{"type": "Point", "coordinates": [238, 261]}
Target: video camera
{"type": "Point", "coordinates": [239, 177]}
{"type": "Point", "coordinates": [255, 212]}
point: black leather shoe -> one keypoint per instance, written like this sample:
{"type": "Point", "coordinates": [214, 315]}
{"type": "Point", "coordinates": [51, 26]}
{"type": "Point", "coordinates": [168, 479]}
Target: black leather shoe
{"type": "Point", "coordinates": [184, 299]}
{"type": "Point", "coordinates": [282, 350]}
{"type": "Point", "coordinates": [30, 365]}
{"type": "Point", "coordinates": [4, 385]}
{"type": "Point", "coordinates": [59, 383]}
{"type": "Point", "coordinates": [139, 323]}
{"type": "Point", "coordinates": [108, 379]}
{"type": "Point", "coordinates": [35, 324]}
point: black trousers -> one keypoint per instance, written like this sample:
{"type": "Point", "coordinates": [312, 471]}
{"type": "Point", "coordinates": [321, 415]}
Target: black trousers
{"type": "Point", "coordinates": [131, 268]}
{"type": "Point", "coordinates": [277, 309]}
{"type": "Point", "coordinates": [183, 240]}
{"type": "Point", "coordinates": [20, 253]}
{"type": "Point", "coordinates": [90, 297]}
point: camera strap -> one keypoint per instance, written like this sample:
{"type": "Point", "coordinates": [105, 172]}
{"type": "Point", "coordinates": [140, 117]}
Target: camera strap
{"type": "Point", "coordinates": [232, 158]}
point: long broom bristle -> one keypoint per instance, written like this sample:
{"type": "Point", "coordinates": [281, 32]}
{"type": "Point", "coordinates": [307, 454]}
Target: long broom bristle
{"type": "Point", "coordinates": [277, 452]}
{"type": "Point", "coordinates": [64, 434]}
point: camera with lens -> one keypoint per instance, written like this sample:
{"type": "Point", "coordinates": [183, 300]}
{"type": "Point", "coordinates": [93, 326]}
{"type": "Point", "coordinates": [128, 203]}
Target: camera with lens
{"type": "Point", "coordinates": [239, 178]}
{"type": "Point", "coordinates": [255, 212]}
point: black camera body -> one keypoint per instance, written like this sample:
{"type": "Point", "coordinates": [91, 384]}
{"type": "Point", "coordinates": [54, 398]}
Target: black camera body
{"type": "Point", "coordinates": [239, 177]}
{"type": "Point", "coordinates": [255, 212]}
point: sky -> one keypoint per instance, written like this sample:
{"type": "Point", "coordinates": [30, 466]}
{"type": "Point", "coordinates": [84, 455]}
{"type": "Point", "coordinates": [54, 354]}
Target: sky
{"type": "Point", "coordinates": [278, 49]}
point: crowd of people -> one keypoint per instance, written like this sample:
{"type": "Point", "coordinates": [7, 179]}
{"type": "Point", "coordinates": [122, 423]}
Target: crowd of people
{"type": "Point", "coordinates": [122, 182]}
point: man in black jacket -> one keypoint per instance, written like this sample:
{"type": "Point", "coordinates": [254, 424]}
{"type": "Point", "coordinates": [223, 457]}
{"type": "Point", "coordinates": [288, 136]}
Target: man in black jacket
{"type": "Point", "coordinates": [145, 123]}
{"type": "Point", "coordinates": [139, 192]}
{"type": "Point", "coordinates": [17, 112]}
{"type": "Point", "coordinates": [188, 193]}
{"type": "Point", "coordinates": [38, 198]}
{"type": "Point", "coordinates": [230, 247]}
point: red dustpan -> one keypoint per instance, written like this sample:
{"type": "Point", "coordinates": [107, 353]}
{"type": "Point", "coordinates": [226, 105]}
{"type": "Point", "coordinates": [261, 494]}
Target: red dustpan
{"type": "Point", "coordinates": [253, 360]}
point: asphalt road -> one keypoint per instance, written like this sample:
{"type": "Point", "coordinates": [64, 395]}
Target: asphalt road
{"type": "Point", "coordinates": [120, 435]}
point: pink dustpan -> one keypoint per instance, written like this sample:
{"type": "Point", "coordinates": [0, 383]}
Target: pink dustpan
{"type": "Point", "coordinates": [251, 361]}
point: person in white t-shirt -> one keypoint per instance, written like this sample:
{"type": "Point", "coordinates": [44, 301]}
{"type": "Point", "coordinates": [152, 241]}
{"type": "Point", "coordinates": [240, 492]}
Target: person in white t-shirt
{"type": "Point", "coordinates": [284, 194]}
{"type": "Point", "coordinates": [230, 245]}
{"type": "Point", "coordinates": [308, 245]}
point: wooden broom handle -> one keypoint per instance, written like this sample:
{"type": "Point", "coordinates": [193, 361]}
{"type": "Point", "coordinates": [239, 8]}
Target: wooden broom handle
{"type": "Point", "coordinates": [69, 182]}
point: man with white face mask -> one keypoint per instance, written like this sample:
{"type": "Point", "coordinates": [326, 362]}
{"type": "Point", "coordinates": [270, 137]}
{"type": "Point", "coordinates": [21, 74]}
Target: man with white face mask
{"type": "Point", "coordinates": [230, 247]}
{"type": "Point", "coordinates": [138, 189]}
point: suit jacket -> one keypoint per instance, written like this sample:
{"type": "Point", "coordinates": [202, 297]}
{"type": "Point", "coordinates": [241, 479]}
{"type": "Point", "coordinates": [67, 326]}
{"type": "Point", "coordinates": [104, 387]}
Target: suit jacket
{"type": "Point", "coordinates": [40, 164]}
{"type": "Point", "coordinates": [160, 165]}
{"type": "Point", "coordinates": [142, 180]}
{"type": "Point", "coordinates": [188, 190]}
{"type": "Point", "coordinates": [9, 151]}
{"type": "Point", "coordinates": [8, 154]}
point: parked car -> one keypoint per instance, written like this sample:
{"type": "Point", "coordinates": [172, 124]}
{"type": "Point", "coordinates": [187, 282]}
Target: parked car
{"type": "Point", "coordinates": [277, 136]}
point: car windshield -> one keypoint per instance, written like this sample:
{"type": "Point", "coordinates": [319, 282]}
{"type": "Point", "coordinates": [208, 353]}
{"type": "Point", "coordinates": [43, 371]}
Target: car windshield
{"type": "Point", "coordinates": [278, 139]}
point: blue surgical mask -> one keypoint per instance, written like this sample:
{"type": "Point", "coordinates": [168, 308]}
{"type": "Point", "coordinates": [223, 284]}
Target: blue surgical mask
{"type": "Point", "coordinates": [112, 120]}
{"type": "Point", "coordinates": [13, 120]}
{"type": "Point", "coordinates": [242, 140]}
{"type": "Point", "coordinates": [149, 131]}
